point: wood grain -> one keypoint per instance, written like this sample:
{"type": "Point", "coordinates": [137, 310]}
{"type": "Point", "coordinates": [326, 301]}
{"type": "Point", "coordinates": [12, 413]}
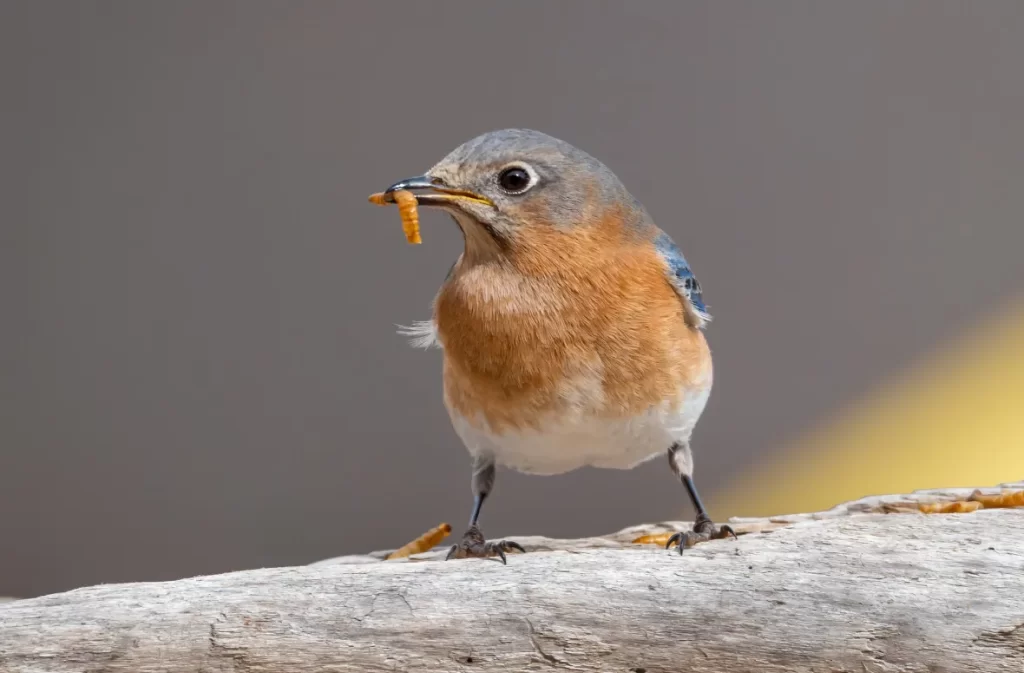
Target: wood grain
{"type": "Point", "coordinates": [858, 591]}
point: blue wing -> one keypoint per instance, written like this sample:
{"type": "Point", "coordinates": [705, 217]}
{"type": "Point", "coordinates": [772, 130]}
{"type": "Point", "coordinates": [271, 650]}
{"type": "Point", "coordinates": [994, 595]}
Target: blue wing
{"type": "Point", "coordinates": [682, 277]}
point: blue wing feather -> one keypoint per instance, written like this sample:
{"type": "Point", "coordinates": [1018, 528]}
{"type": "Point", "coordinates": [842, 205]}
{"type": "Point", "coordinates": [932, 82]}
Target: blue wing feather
{"type": "Point", "coordinates": [682, 277]}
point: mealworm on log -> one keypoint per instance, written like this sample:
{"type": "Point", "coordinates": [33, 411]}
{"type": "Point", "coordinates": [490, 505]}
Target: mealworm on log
{"type": "Point", "coordinates": [660, 539]}
{"type": "Point", "coordinates": [976, 501]}
{"type": "Point", "coordinates": [957, 507]}
{"type": "Point", "coordinates": [423, 543]}
{"type": "Point", "coordinates": [999, 500]}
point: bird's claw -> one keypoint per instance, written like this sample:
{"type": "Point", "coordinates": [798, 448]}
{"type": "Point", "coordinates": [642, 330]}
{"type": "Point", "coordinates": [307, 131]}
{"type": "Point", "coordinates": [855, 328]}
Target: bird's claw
{"type": "Point", "coordinates": [473, 545]}
{"type": "Point", "coordinates": [703, 530]}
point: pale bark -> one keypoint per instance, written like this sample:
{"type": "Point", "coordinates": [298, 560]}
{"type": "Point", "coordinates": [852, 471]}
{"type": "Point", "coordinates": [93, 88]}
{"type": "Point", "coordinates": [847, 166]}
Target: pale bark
{"type": "Point", "coordinates": [849, 590]}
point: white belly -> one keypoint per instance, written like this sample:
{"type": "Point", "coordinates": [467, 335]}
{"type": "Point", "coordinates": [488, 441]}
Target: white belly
{"type": "Point", "coordinates": [564, 444]}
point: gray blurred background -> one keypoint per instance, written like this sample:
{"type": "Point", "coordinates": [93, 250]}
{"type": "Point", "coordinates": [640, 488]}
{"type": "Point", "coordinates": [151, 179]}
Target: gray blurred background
{"type": "Point", "coordinates": [199, 369]}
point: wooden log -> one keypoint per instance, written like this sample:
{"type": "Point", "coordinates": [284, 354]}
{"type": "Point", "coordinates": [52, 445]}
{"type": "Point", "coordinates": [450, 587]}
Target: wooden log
{"type": "Point", "coordinates": [864, 592]}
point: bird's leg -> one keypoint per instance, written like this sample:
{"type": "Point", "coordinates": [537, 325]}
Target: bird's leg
{"type": "Point", "coordinates": [473, 543]}
{"type": "Point", "coordinates": [681, 461]}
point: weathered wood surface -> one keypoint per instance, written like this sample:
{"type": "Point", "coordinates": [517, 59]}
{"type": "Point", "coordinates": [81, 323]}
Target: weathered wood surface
{"type": "Point", "coordinates": [860, 591]}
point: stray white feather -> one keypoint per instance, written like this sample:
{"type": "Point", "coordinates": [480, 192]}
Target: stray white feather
{"type": "Point", "coordinates": [422, 333]}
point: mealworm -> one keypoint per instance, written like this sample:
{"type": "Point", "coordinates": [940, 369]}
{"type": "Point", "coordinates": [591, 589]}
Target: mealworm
{"type": "Point", "coordinates": [660, 539]}
{"type": "Point", "coordinates": [999, 500]}
{"type": "Point", "coordinates": [406, 209]}
{"type": "Point", "coordinates": [423, 543]}
{"type": "Point", "coordinates": [958, 507]}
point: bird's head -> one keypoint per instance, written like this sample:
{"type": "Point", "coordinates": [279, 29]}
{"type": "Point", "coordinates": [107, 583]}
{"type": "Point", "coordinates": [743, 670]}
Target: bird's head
{"type": "Point", "coordinates": [505, 187]}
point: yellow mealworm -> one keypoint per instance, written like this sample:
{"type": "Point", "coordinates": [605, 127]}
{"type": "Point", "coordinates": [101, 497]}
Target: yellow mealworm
{"type": "Point", "coordinates": [410, 216]}
{"type": "Point", "coordinates": [406, 209]}
{"type": "Point", "coordinates": [423, 543]}
{"type": "Point", "coordinates": [660, 539]}
{"type": "Point", "coordinates": [958, 507]}
{"type": "Point", "coordinates": [998, 500]}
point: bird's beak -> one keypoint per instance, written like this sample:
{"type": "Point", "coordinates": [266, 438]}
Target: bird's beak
{"type": "Point", "coordinates": [432, 192]}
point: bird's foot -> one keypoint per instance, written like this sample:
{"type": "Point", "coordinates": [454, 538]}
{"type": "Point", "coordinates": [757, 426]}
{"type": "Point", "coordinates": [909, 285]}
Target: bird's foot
{"type": "Point", "coordinates": [473, 545]}
{"type": "Point", "coordinates": [703, 530]}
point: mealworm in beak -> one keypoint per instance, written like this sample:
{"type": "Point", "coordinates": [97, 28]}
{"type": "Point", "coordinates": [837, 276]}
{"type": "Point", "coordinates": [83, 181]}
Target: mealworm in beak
{"type": "Point", "coordinates": [407, 210]}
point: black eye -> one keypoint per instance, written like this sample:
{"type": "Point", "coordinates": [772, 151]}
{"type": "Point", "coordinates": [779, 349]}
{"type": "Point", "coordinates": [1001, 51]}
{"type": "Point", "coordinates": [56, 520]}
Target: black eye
{"type": "Point", "coordinates": [514, 180]}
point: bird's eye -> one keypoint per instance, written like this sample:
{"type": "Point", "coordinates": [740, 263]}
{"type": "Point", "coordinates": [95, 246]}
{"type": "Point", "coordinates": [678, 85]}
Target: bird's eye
{"type": "Point", "coordinates": [515, 180]}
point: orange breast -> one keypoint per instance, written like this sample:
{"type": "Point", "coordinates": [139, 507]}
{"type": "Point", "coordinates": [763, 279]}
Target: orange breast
{"type": "Point", "coordinates": [568, 323]}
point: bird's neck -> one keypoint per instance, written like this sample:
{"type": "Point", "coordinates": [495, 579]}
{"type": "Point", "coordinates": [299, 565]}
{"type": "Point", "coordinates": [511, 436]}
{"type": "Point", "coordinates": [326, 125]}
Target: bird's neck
{"type": "Point", "coordinates": [505, 335]}
{"type": "Point", "coordinates": [542, 294]}
{"type": "Point", "coordinates": [536, 292]}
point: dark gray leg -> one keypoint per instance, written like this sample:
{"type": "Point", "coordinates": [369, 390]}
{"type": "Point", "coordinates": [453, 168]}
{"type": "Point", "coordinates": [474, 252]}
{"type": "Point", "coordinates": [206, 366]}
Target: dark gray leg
{"type": "Point", "coordinates": [681, 462]}
{"type": "Point", "coordinates": [473, 543]}
{"type": "Point", "coordinates": [483, 482]}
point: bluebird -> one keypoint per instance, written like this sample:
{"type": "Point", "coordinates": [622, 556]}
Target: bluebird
{"type": "Point", "coordinates": [571, 326]}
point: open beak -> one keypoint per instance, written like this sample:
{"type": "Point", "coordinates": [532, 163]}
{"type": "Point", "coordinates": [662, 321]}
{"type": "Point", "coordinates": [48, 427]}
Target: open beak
{"type": "Point", "coordinates": [433, 192]}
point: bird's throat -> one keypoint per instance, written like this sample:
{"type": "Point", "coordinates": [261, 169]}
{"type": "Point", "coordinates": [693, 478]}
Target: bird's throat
{"type": "Point", "coordinates": [482, 242]}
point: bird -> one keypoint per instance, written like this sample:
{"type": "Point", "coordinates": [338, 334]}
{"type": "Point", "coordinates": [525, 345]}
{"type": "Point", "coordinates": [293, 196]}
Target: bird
{"type": "Point", "coordinates": [572, 327]}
